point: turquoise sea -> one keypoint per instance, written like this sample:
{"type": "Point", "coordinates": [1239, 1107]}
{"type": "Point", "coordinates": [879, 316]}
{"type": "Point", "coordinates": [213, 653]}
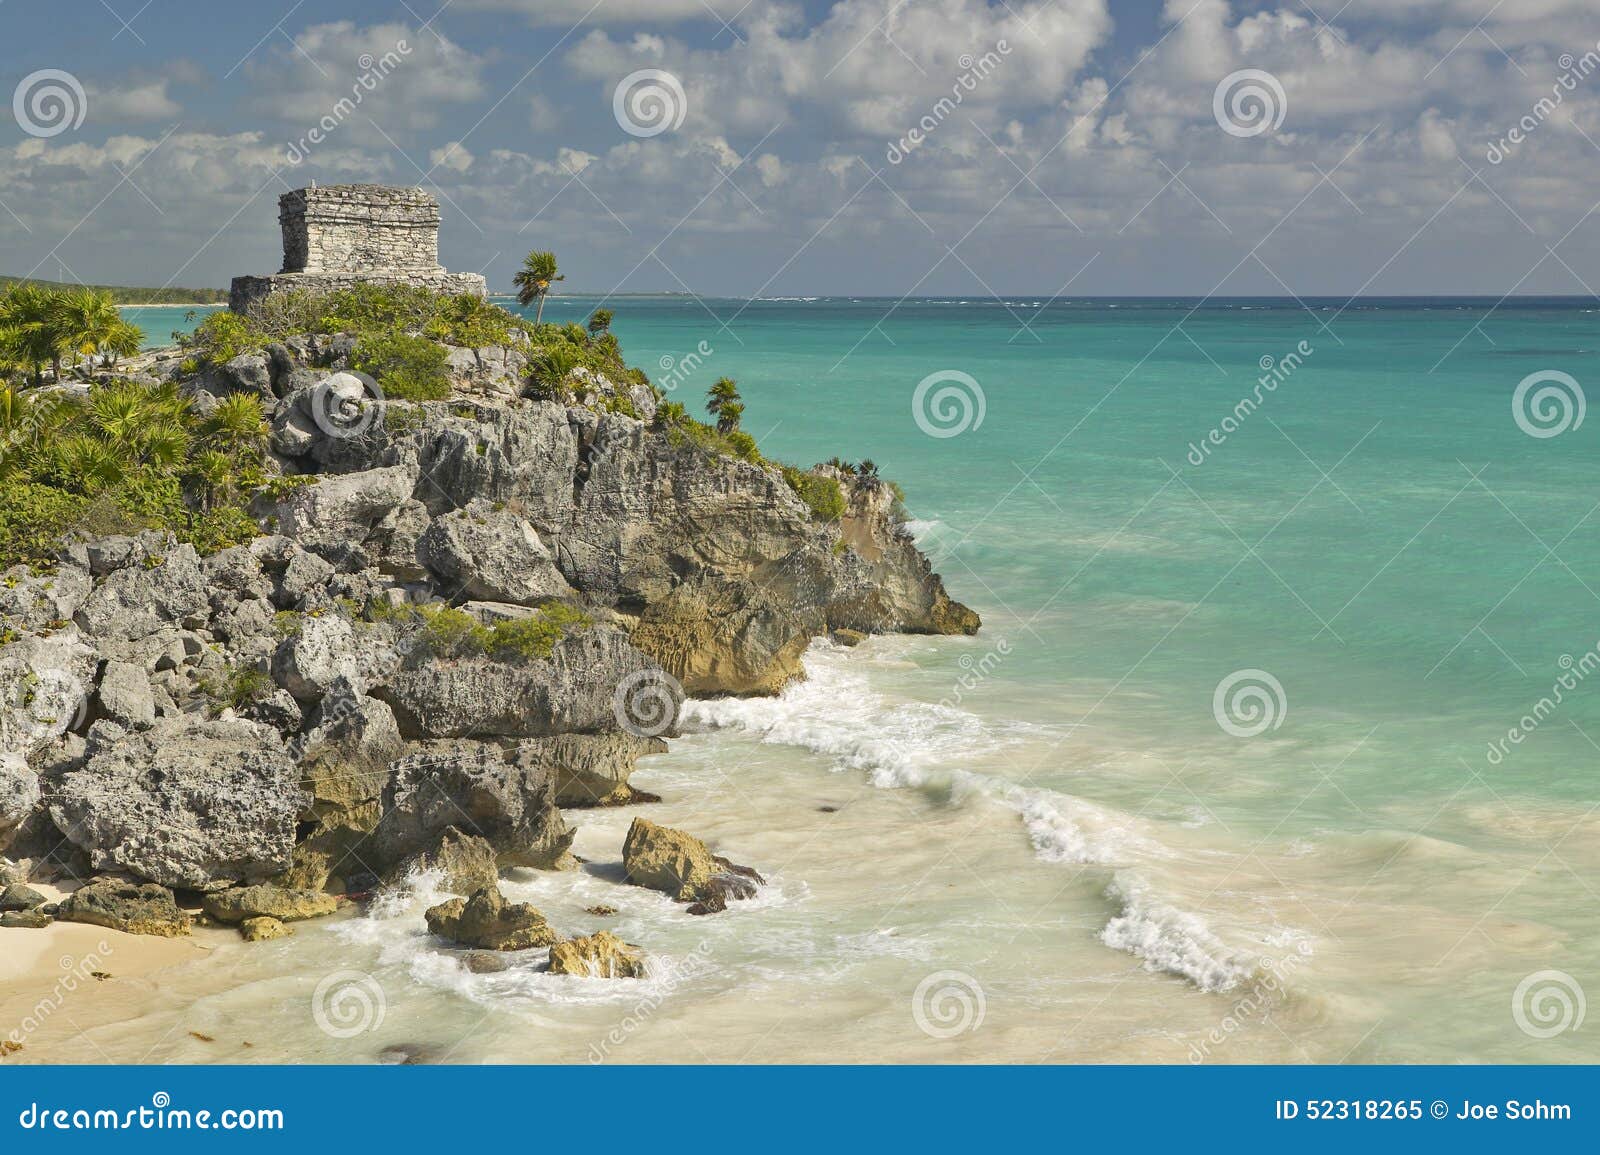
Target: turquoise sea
{"type": "Point", "coordinates": [1277, 745]}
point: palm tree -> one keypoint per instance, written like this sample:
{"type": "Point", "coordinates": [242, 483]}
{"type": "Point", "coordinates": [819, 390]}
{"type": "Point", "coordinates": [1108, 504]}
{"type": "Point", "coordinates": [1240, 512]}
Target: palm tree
{"type": "Point", "coordinates": [724, 404]}
{"type": "Point", "coordinates": [600, 322]}
{"type": "Point", "coordinates": [27, 311]}
{"type": "Point", "coordinates": [82, 320]}
{"type": "Point", "coordinates": [534, 279]}
{"type": "Point", "coordinates": [235, 427]}
{"type": "Point", "coordinates": [124, 341]}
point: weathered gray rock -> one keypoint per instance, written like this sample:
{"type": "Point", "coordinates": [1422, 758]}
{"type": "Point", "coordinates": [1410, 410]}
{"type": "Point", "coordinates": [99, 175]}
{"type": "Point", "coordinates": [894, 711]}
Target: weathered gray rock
{"type": "Point", "coordinates": [44, 683]}
{"type": "Point", "coordinates": [491, 554]}
{"type": "Point", "coordinates": [488, 922]}
{"type": "Point", "coordinates": [473, 788]}
{"type": "Point", "coordinates": [589, 769]}
{"type": "Point", "coordinates": [125, 695]}
{"type": "Point", "coordinates": [189, 803]}
{"type": "Point", "coordinates": [131, 907]}
{"type": "Point", "coordinates": [341, 512]}
{"type": "Point", "coordinates": [571, 691]}
{"type": "Point", "coordinates": [19, 793]}
{"type": "Point", "coordinates": [42, 601]}
{"type": "Point", "coordinates": [141, 599]}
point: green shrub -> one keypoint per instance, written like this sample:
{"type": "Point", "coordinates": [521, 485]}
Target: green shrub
{"type": "Point", "coordinates": [223, 336]}
{"type": "Point", "coordinates": [32, 521]}
{"type": "Point", "coordinates": [407, 368]}
{"type": "Point", "coordinates": [534, 638]}
{"type": "Point", "coordinates": [822, 494]}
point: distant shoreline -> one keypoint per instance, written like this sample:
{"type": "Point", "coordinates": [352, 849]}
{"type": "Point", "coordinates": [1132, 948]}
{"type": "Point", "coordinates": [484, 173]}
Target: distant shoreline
{"type": "Point", "coordinates": [175, 305]}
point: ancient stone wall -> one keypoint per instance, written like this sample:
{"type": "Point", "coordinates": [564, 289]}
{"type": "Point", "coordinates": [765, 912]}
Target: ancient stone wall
{"type": "Point", "coordinates": [340, 235]}
{"type": "Point", "coordinates": [359, 228]}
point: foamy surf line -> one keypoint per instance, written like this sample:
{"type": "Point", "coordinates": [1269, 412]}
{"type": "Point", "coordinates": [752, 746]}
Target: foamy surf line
{"type": "Point", "coordinates": [836, 713]}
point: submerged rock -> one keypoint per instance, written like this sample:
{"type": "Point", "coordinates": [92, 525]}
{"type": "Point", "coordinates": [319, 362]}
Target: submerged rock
{"type": "Point", "coordinates": [131, 907]}
{"type": "Point", "coordinates": [487, 921]}
{"type": "Point", "coordinates": [601, 955]}
{"type": "Point", "coordinates": [262, 928]}
{"type": "Point", "coordinates": [679, 864]}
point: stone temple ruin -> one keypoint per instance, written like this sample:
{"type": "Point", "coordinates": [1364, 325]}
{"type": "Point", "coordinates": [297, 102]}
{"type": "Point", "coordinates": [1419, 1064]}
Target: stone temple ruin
{"type": "Point", "coordinates": [341, 235]}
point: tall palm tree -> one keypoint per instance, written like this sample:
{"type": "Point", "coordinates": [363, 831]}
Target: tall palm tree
{"type": "Point", "coordinates": [534, 279]}
{"type": "Point", "coordinates": [124, 340]}
{"type": "Point", "coordinates": [723, 403]}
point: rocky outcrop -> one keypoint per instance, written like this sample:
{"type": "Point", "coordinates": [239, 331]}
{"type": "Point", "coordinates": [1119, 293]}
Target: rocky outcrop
{"type": "Point", "coordinates": [19, 897]}
{"type": "Point", "coordinates": [488, 922]}
{"type": "Point", "coordinates": [601, 955]}
{"type": "Point", "coordinates": [465, 862]}
{"type": "Point", "coordinates": [589, 769]}
{"type": "Point", "coordinates": [682, 866]}
{"type": "Point", "coordinates": [242, 903]}
{"type": "Point", "coordinates": [131, 907]}
{"type": "Point", "coordinates": [571, 691]}
{"type": "Point", "coordinates": [473, 788]}
{"type": "Point", "coordinates": [190, 803]}
{"type": "Point", "coordinates": [488, 553]}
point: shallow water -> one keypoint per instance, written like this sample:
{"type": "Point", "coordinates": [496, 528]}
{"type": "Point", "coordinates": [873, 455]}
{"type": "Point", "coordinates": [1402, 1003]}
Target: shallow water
{"type": "Point", "coordinates": [1041, 843]}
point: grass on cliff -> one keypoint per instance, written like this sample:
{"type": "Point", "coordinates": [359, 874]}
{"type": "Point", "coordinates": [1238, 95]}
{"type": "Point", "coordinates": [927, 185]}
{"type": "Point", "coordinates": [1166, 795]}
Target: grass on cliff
{"type": "Point", "coordinates": [441, 631]}
{"type": "Point", "coordinates": [129, 457]}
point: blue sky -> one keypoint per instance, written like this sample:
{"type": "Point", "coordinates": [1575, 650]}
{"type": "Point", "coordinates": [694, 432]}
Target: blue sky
{"type": "Point", "coordinates": [1087, 156]}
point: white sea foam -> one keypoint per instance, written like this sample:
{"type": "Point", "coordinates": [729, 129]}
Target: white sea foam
{"type": "Point", "coordinates": [835, 712]}
{"type": "Point", "coordinates": [1172, 940]}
